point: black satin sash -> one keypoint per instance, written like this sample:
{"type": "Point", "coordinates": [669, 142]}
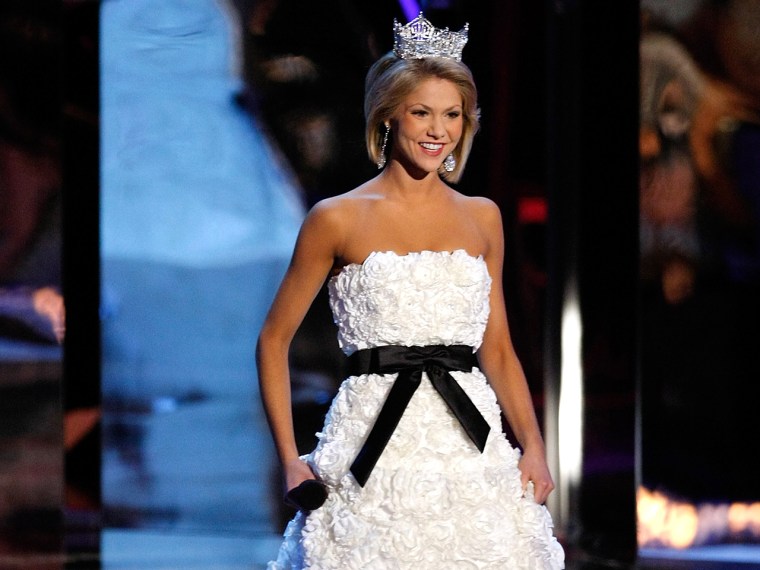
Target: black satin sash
{"type": "Point", "coordinates": [410, 362]}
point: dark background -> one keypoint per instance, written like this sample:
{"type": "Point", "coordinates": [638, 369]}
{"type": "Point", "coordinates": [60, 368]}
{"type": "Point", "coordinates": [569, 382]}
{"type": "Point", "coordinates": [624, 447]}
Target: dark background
{"type": "Point", "coordinates": [558, 152]}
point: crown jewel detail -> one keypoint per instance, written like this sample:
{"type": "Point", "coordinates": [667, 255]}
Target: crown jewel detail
{"type": "Point", "coordinates": [419, 39]}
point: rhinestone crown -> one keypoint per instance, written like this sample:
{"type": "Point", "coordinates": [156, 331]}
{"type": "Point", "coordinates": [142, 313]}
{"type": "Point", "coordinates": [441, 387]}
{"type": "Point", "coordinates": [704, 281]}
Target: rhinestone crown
{"type": "Point", "coordinates": [420, 39]}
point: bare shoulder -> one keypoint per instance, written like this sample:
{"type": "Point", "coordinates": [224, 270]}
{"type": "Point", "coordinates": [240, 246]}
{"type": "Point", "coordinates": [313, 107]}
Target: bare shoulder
{"type": "Point", "coordinates": [346, 204]}
{"type": "Point", "coordinates": [333, 219]}
{"type": "Point", "coordinates": [484, 211]}
{"type": "Point", "coordinates": [484, 217]}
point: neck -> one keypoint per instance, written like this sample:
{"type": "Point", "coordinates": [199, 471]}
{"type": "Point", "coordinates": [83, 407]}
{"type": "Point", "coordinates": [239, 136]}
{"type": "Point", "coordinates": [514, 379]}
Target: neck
{"type": "Point", "coordinates": [403, 184]}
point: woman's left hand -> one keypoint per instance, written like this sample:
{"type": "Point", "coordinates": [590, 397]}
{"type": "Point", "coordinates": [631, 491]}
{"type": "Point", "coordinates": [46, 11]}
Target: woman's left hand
{"type": "Point", "coordinates": [533, 469]}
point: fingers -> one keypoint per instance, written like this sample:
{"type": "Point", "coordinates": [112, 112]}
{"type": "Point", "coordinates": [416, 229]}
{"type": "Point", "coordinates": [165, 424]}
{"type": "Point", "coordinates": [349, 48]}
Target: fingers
{"type": "Point", "coordinates": [539, 491]}
{"type": "Point", "coordinates": [296, 472]}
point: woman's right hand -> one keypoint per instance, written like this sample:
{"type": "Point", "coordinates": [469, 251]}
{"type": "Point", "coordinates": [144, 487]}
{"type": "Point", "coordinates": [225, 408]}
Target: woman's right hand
{"type": "Point", "coordinates": [296, 472]}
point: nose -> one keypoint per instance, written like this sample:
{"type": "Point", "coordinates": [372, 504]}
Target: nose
{"type": "Point", "coordinates": [436, 129]}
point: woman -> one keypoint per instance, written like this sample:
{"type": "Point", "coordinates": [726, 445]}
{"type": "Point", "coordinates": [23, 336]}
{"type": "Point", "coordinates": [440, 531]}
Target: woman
{"type": "Point", "coordinates": [417, 470]}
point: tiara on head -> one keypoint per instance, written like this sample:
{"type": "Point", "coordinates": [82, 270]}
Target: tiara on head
{"type": "Point", "coordinates": [420, 39]}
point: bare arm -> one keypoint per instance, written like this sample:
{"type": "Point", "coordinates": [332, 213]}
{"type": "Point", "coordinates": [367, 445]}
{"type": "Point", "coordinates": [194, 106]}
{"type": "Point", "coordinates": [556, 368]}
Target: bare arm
{"type": "Point", "coordinates": [503, 369]}
{"type": "Point", "coordinates": [313, 258]}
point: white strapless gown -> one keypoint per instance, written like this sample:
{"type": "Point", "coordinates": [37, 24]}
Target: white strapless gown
{"type": "Point", "coordinates": [432, 502]}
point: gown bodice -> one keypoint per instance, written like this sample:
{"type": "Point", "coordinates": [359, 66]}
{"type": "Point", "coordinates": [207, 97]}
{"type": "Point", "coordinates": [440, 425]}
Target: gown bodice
{"type": "Point", "coordinates": [417, 299]}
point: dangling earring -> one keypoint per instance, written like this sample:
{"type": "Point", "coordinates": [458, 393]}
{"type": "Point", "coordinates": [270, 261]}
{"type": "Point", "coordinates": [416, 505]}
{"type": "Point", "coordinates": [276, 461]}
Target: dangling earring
{"type": "Point", "coordinates": [450, 163]}
{"type": "Point", "coordinates": [381, 159]}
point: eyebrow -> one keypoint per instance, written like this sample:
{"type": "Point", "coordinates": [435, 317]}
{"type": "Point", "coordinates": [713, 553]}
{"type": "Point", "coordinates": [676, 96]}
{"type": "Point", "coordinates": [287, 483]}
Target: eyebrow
{"type": "Point", "coordinates": [458, 105]}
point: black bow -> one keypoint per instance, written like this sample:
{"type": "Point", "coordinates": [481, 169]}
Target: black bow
{"type": "Point", "coordinates": [410, 362]}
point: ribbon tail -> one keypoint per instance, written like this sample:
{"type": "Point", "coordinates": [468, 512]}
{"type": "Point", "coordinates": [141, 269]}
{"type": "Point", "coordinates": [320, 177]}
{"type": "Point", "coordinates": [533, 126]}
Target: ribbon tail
{"type": "Point", "coordinates": [398, 397]}
{"type": "Point", "coordinates": [459, 403]}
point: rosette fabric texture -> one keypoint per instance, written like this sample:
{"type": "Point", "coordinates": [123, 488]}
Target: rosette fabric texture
{"type": "Point", "coordinates": [432, 500]}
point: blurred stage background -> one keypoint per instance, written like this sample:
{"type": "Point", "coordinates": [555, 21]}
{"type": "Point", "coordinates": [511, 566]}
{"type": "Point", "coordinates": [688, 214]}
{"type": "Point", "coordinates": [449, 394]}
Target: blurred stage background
{"type": "Point", "coordinates": [157, 190]}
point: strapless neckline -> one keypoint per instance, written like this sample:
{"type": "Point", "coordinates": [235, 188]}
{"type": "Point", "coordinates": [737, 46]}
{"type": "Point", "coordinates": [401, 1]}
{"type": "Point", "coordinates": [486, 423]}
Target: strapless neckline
{"type": "Point", "coordinates": [417, 298]}
{"type": "Point", "coordinates": [410, 254]}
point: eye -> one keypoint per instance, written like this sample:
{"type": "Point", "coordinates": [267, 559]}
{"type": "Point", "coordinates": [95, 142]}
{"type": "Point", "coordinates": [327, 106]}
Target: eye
{"type": "Point", "coordinates": [419, 112]}
{"type": "Point", "coordinates": [454, 114]}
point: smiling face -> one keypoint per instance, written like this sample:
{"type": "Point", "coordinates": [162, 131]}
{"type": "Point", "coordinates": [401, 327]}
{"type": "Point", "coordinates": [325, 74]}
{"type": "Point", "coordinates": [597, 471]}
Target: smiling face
{"type": "Point", "coordinates": [427, 125]}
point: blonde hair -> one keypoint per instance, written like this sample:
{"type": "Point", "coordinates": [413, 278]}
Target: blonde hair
{"type": "Point", "coordinates": [391, 79]}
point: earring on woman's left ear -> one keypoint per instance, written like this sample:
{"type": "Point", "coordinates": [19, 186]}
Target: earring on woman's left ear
{"type": "Point", "coordinates": [450, 163]}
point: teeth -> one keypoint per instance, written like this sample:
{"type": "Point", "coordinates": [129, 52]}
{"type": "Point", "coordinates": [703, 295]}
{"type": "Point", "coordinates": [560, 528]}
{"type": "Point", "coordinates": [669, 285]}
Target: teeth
{"type": "Point", "coordinates": [431, 146]}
